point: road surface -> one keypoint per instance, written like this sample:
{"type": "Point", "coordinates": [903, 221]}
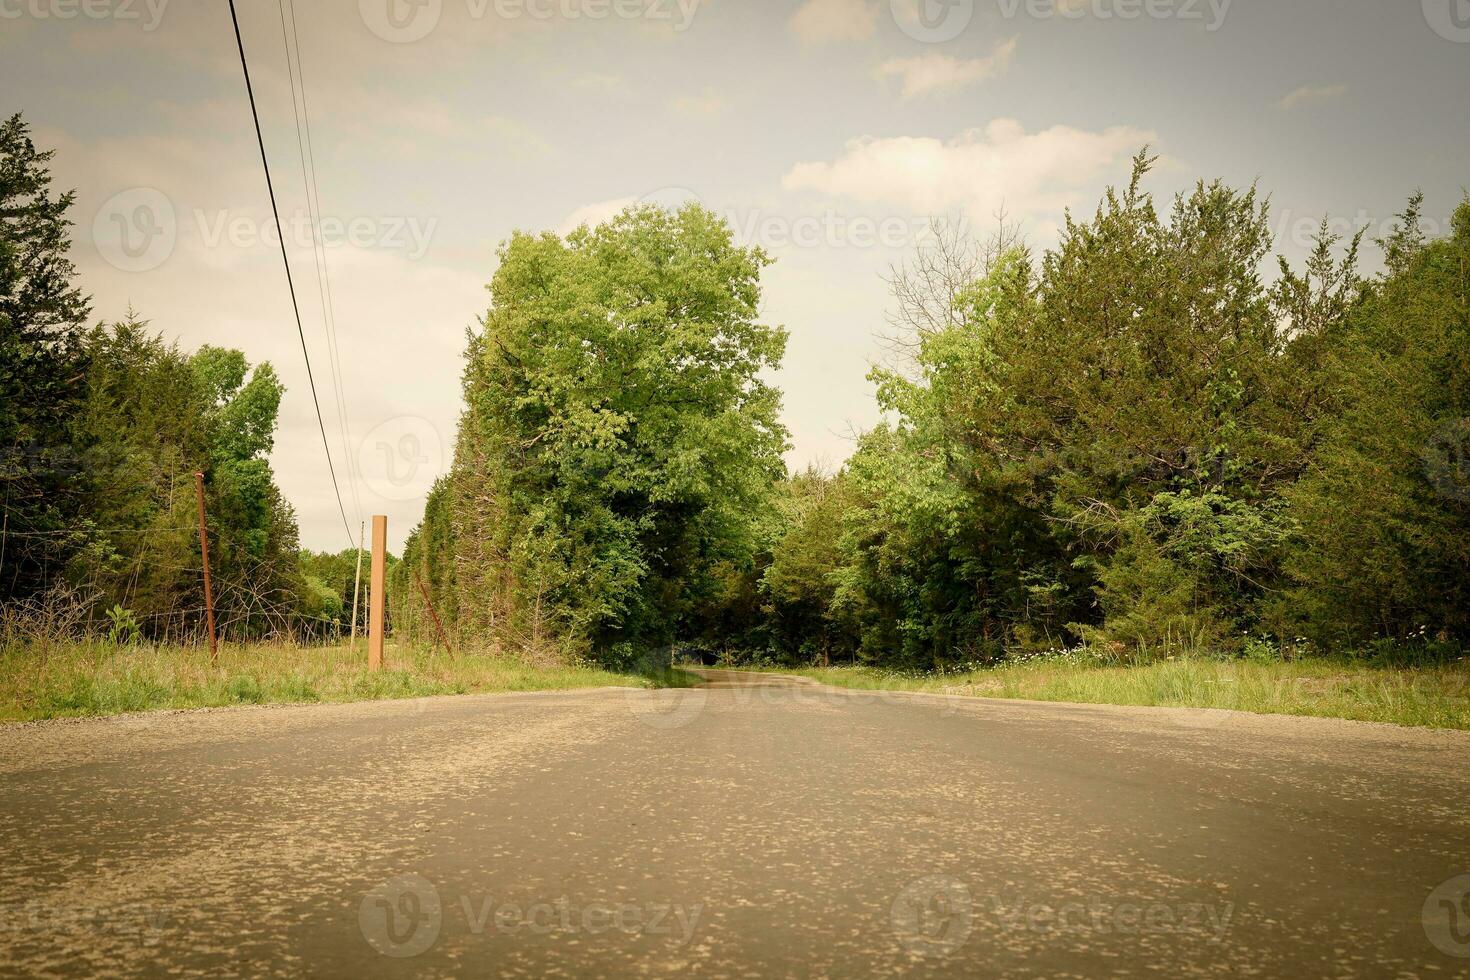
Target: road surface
{"type": "Point", "coordinates": [757, 826]}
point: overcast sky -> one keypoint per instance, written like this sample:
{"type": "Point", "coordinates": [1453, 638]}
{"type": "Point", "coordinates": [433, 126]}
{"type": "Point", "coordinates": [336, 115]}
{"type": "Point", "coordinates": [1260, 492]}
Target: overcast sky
{"type": "Point", "coordinates": [828, 130]}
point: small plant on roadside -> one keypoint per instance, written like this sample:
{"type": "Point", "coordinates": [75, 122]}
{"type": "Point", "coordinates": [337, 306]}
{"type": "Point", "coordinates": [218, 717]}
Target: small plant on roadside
{"type": "Point", "coordinates": [123, 628]}
{"type": "Point", "coordinates": [1260, 649]}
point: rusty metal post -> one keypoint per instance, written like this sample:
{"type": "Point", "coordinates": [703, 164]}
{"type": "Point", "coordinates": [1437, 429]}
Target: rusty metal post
{"type": "Point", "coordinates": [377, 592]}
{"type": "Point", "coordinates": [208, 588]}
{"type": "Point", "coordinates": [432, 614]}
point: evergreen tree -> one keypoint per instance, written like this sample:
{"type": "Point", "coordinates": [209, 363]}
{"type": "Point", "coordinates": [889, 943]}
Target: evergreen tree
{"type": "Point", "coordinates": [41, 317]}
{"type": "Point", "coordinates": [1384, 509]}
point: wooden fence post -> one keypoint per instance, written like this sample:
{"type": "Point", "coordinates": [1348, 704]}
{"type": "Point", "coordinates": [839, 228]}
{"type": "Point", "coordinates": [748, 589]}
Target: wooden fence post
{"type": "Point", "coordinates": [377, 592]}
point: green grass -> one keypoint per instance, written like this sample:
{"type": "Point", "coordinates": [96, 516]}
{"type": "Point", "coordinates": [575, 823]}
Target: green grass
{"type": "Point", "coordinates": [1433, 696]}
{"type": "Point", "coordinates": [98, 679]}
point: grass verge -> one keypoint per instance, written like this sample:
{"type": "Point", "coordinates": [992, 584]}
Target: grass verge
{"type": "Point", "coordinates": [99, 679]}
{"type": "Point", "coordinates": [1435, 696]}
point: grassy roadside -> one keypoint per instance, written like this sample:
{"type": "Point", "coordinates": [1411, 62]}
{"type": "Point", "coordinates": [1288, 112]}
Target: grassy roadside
{"type": "Point", "coordinates": [99, 679]}
{"type": "Point", "coordinates": [1428, 696]}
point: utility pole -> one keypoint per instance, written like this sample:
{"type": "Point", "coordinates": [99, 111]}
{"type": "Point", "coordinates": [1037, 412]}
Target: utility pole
{"type": "Point", "coordinates": [377, 592]}
{"type": "Point", "coordinates": [356, 584]}
{"type": "Point", "coordinates": [208, 589]}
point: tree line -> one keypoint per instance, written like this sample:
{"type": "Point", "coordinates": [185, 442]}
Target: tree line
{"type": "Point", "coordinates": [1144, 441]}
{"type": "Point", "coordinates": [1148, 440]}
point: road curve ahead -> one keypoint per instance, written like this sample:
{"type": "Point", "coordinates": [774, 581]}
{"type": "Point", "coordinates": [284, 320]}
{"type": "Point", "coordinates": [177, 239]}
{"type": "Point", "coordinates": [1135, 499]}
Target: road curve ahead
{"type": "Point", "coordinates": [756, 826]}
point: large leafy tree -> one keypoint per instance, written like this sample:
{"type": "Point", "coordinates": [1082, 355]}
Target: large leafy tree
{"type": "Point", "coordinates": [619, 434]}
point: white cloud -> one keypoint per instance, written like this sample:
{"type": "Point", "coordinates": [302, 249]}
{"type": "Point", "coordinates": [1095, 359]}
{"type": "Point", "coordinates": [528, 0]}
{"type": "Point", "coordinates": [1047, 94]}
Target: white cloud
{"type": "Point", "coordinates": [978, 172]}
{"type": "Point", "coordinates": [1311, 93]}
{"type": "Point", "coordinates": [818, 21]}
{"type": "Point", "coordinates": [935, 72]}
{"type": "Point", "coordinates": [594, 214]}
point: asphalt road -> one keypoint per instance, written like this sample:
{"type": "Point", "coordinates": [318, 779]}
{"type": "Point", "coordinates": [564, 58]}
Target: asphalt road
{"type": "Point", "coordinates": [754, 827]}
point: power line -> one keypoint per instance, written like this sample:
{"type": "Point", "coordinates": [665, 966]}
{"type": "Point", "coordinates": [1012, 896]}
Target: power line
{"type": "Point", "coordinates": [307, 155]}
{"type": "Point", "coordinates": [291, 285]}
